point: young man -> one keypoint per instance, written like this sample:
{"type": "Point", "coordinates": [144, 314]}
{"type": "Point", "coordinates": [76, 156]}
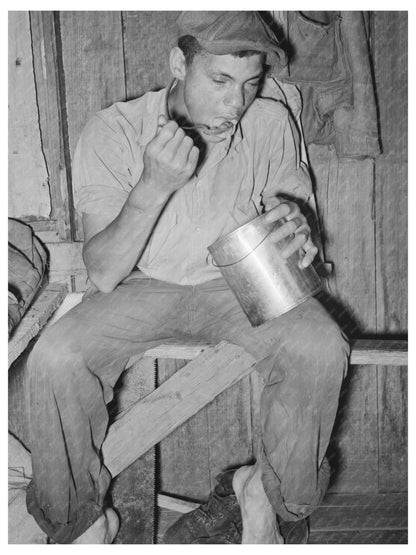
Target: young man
{"type": "Point", "coordinates": [160, 178]}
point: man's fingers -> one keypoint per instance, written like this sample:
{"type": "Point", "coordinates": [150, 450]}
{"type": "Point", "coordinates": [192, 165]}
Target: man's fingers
{"type": "Point", "coordinates": [294, 245]}
{"type": "Point", "coordinates": [161, 120]}
{"type": "Point", "coordinates": [310, 251]}
{"type": "Point", "coordinates": [180, 146]}
{"type": "Point", "coordinates": [164, 134]}
{"type": "Point", "coordinates": [278, 212]}
{"type": "Point", "coordinates": [289, 228]}
{"type": "Point", "coordinates": [193, 159]}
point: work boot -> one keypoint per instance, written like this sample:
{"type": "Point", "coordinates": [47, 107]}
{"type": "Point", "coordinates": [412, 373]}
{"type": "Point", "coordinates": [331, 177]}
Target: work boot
{"type": "Point", "coordinates": [216, 521]}
{"type": "Point", "coordinates": [294, 532]}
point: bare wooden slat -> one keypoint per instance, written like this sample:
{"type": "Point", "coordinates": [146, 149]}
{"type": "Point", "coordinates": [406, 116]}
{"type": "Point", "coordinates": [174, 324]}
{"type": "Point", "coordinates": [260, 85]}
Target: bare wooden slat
{"type": "Point", "coordinates": [133, 490]}
{"type": "Point", "coordinates": [148, 38]}
{"type": "Point", "coordinates": [379, 351]}
{"type": "Point", "coordinates": [93, 69]}
{"type": "Point", "coordinates": [377, 536]}
{"type": "Point", "coordinates": [344, 190]}
{"type": "Point", "coordinates": [391, 210]}
{"type": "Point", "coordinates": [37, 316]}
{"type": "Point", "coordinates": [176, 475]}
{"type": "Point", "coordinates": [190, 389]}
{"type": "Point", "coordinates": [28, 178]}
{"type": "Point", "coordinates": [175, 504]}
{"type": "Point", "coordinates": [48, 94]}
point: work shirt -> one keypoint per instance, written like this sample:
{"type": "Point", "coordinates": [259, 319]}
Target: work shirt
{"type": "Point", "coordinates": [260, 160]}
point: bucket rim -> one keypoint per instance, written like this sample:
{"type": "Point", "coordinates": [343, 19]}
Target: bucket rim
{"type": "Point", "coordinates": [221, 240]}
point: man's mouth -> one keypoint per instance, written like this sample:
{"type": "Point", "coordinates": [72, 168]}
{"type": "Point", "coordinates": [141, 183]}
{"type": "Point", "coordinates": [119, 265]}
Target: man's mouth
{"type": "Point", "coordinates": [218, 129]}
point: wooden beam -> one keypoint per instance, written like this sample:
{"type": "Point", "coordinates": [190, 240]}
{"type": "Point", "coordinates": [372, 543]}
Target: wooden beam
{"type": "Point", "coordinates": [389, 352]}
{"type": "Point", "coordinates": [379, 351]}
{"type": "Point", "coordinates": [176, 400]}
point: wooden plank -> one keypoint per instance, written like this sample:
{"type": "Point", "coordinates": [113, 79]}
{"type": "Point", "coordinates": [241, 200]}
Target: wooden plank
{"type": "Point", "coordinates": [175, 504]}
{"type": "Point", "coordinates": [344, 191]}
{"type": "Point", "coordinates": [33, 321]}
{"type": "Point", "coordinates": [379, 351]}
{"type": "Point", "coordinates": [28, 177]}
{"type": "Point", "coordinates": [363, 351]}
{"type": "Point", "coordinates": [46, 73]}
{"type": "Point", "coordinates": [133, 490]}
{"type": "Point", "coordinates": [93, 70]}
{"type": "Point", "coordinates": [190, 389]}
{"type": "Point", "coordinates": [148, 38]}
{"type": "Point", "coordinates": [353, 449]}
{"type": "Point", "coordinates": [397, 502]}
{"type": "Point", "coordinates": [391, 209]}
{"type": "Point", "coordinates": [178, 474]}
{"type": "Point", "coordinates": [230, 441]}
{"type": "Point", "coordinates": [184, 351]}
{"type": "Point", "coordinates": [393, 423]}
{"type": "Point", "coordinates": [358, 517]}
{"type": "Point", "coordinates": [390, 52]}
{"type": "Point", "coordinates": [360, 537]}
{"type": "Point", "coordinates": [67, 265]}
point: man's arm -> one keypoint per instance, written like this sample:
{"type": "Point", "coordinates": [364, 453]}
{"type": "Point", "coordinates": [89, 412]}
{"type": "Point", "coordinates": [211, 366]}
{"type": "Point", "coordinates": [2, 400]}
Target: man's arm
{"type": "Point", "coordinates": [111, 252]}
{"type": "Point", "coordinates": [289, 176]}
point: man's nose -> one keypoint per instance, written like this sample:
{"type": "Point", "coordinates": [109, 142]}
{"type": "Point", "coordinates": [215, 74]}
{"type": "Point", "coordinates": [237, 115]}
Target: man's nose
{"type": "Point", "coordinates": [235, 98]}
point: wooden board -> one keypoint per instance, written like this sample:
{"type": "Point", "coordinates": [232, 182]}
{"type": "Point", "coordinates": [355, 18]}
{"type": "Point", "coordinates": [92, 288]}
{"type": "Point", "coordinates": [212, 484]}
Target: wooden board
{"type": "Point", "coordinates": [148, 38]}
{"type": "Point", "coordinates": [229, 430]}
{"type": "Point", "coordinates": [48, 96]}
{"type": "Point", "coordinates": [392, 433]}
{"type": "Point", "coordinates": [133, 491]}
{"type": "Point", "coordinates": [93, 68]}
{"type": "Point", "coordinates": [28, 177]}
{"type": "Point", "coordinates": [67, 265]}
{"type": "Point", "coordinates": [341, 519]}
{"type": "Point", "coordinates": [178, 473]}
{"type": "Point", "coordinates": [360, 537]}
{"type": "Point", "coordinates": [345, 199]}
{"type": "Point", "coordinates": [189, 390]}
{"type": "Point", "coordinates": [391, 209]}
{"type": "Point", "coordinates": [379, 351]}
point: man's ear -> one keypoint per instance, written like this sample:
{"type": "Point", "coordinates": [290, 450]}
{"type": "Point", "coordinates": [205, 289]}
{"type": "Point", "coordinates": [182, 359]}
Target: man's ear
{"type": "Point", "coordinates": [177, 63]}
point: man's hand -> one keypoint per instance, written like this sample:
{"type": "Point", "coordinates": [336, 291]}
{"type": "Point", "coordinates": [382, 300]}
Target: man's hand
{"type": "Point", "coordinates": [170, 160]}
{"type": "Point", "coordinates": [296, 226]}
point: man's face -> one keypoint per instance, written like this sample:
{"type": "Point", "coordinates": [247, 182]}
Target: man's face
{"type": "Point", "coordinates": [219, 89]}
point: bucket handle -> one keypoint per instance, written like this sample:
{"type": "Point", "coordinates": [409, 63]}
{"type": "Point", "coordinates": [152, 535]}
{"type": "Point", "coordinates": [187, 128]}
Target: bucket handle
{"type": "Point", "coordinates": [244, 257]}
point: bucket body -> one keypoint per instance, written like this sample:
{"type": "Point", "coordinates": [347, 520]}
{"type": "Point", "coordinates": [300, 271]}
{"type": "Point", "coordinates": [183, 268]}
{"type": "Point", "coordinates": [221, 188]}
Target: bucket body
{"type": "Point", "coordinates": [265, 284]}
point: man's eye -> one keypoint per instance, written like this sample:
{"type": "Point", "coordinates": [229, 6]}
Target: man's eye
{"type": "Point", "coordinates": [256, 84]}
{"type": "Point", "coordinates": [219, 81]}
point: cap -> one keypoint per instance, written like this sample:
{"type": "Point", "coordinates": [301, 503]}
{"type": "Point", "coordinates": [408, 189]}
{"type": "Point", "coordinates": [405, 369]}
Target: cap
{"type": "Point", "coordinates": [228, 32]}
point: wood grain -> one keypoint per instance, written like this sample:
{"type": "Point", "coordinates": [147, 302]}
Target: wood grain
{"type": "Point", "coordinates": [133, 491]}
{"type": "Point", "coordinates": [345, 199]}
{"type": "Point", "coordinates": [28, 176]}
{"type": "Point", "coordinates": [93, 70]}
{"type": "Point", "coordinates": [178, 473]}
{"type": "Point", "coordinates": [148, 38]}
{"type": "Point", "coordinates": [190, 389]}
{"type": "Point", "coordinates": [48, 96]}
{"type": "Point", "coordinates": [391, 209]}
{"type": "Point", "coordinates": [379, 351]}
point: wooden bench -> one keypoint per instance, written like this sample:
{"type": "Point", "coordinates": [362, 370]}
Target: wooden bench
{"type": "Point", "coordinates": [211, 370]}
{"type": "Point", "coordinates": [144, 421]}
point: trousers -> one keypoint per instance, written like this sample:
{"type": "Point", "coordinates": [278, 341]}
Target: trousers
{"type": "Point", "coordinates": [302, 357]}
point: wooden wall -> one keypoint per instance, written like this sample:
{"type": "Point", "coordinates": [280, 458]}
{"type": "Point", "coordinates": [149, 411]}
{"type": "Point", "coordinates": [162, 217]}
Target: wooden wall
{"type": "Point", "coordinates": [63, 66]}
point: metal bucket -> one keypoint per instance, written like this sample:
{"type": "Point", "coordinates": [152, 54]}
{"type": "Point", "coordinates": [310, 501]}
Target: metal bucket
{"type": "Point", "coordinates": [265, 284]}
